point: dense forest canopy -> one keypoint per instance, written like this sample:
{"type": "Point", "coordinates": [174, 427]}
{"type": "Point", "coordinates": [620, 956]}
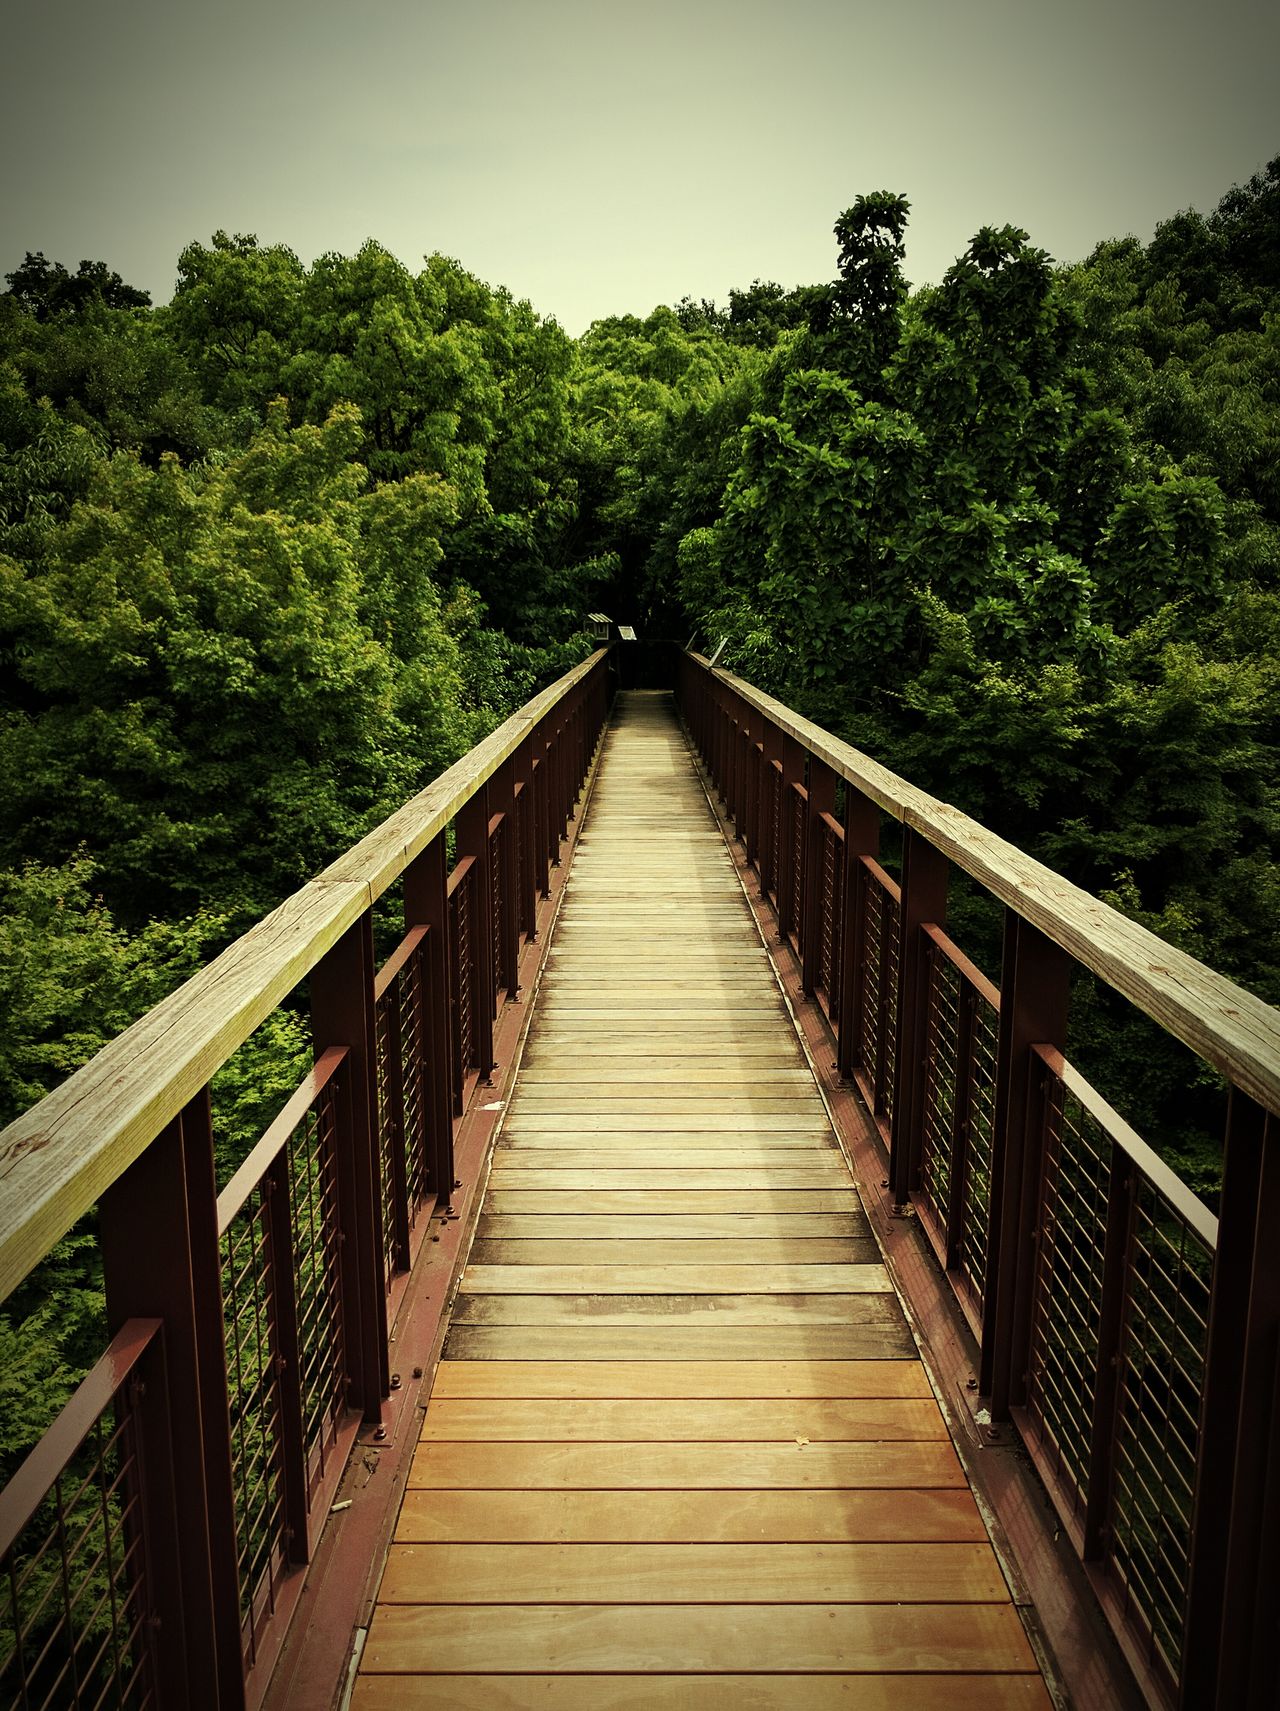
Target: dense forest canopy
{"type": "Point", "coordinates": [275, 553]}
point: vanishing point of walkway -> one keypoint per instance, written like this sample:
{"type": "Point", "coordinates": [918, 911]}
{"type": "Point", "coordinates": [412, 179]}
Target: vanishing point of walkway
{"type": "Point", "coordinates": [680, 1451]}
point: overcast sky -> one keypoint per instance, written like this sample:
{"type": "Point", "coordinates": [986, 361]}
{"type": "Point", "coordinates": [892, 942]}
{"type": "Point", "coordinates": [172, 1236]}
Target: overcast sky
{"type": "Point", "coordinates": [601, 158]}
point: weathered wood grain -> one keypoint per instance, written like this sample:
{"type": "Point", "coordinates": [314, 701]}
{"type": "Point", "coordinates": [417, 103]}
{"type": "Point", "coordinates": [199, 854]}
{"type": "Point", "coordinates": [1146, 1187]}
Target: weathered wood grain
{"type": "Point", "coordinates": [703, 1692]}
{"type": "Point", "coordinates": [659, 1250]}
{"type": "Point", "coordinates": [726, 1103]}
{"type": "Point", "coordinates": [690, 1517]}
{"type": "Point", "coordinates": [657, 1144]}
{"type": "Point", "coordinates": [677, 1466]}
{"type": "Point", "coordinates": [683, 1226]}
{"type": "Point", "coordinates": [633, 1419]}
{"type": "Point", "coordinates": [581, 1081]}
{"type": "Point", "coordinates": [660, 1638]}
{"type": "Point", "coordinates": [682, 1379]}
{"type": "Point", "coordinates": [665, 1340]}
{"type": "Point", "coordinates": [661, 1203]}
{"type": "Point", "coordinates": [668, 1178]}
{"type": "Point", "coordinates": [699, 1150]}
{"type": "Point", "coordinates": [545, 1573]}
{"type": "Point", "coordinates": [662, 1311]}
{"type": "Point", "coordinates": [736, 1280]}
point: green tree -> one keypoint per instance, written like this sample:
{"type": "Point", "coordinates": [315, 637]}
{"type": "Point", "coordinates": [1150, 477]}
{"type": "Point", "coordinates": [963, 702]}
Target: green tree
{"type": "Point", "coordinates": [200, 692]}
{"type": "Point", "coordinates": [45, 289]}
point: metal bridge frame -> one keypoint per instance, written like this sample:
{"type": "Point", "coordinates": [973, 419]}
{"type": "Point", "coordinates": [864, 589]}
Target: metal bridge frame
{"type": "Point", "coordinates": [154, 1545]}
{"type": "Point", "coordinates": [1132, 1339]}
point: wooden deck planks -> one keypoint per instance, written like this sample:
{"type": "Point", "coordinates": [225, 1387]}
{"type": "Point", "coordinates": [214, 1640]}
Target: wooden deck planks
{"type": "Point", "coordinates": [672, 1466]}
{"type": "Point", "coordinates": [703, 1638]}
{"type": "Point", "coordinates": [683, 1419]}
{"type": "Point", "coordinates": [660, 1249]}
{"type": "Point", "coordinates": [704, 1279]}
{"type": "Point", "coordinates": [578, 1573]}
{"type": "Point", "coordinates": [662, 1311]}
{"type": "Point", "coordinates": [661, 1339]}
{"type": "Point", "coordinates": [707, 1379]}
{"type": "Point", "coordinates": [674, 1335]}
{"type": "Point", "coordinates": [699, 1693]}
{"type": "Point", "coordinates": [689, 1517]}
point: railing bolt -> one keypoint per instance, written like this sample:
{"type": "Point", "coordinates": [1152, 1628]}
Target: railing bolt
{"type": "Point", "coordinates": [457, 1183]}
{"type": "Point", "coordinates": [379, 1434]}
{"type": "Point", "coordinates": [395, 1381]}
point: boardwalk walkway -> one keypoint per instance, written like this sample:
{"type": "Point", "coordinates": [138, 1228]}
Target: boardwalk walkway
{"type": "Point", "coordinates": [680, 1451]}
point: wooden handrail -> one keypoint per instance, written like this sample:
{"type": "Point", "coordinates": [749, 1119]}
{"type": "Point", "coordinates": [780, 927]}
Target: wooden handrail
{"type": "Point", "coordinates": [1231, 1028]}
{"type": "Point", "coordinates": [62, 1154]}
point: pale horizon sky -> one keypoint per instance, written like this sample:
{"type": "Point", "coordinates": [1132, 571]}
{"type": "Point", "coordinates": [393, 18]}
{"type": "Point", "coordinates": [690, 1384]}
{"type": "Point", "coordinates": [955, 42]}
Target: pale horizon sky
{"type": "Point", "coordinates": [600, 160]}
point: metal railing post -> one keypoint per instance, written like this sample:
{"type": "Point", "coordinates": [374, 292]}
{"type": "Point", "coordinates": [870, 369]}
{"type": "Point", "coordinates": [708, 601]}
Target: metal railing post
{"type": "Point", "coordinates": [541, 815]}
{"type": "Point", "coordinates": [790, 920]}
{"type": "Point", "coordinates": [771, 802]}
{"type": "Point", "coordinates": [822, 800]}
{"type": "Point", "coordinates": [861, 838]}
{"type": "Point", "coordinates": [1035, 990]}
{"type": "Point", "coordinates": [1121, 1188]}
{"type": "Point", "coordinates": [342, 1015]}
{"type": "Point", "coordinates": [754, 727]}
{"type": "Point", "coordinates": [162, 1542]}
{"type": "Point", "coordinates": [158, 1229]}
{"type": "Point", "coordinates": [729, 790]}
{"type": "Point", "coordinates": [924, 903]}
{"type": "Point", "coordinates": [503, 898]}
{"type": "Point", "coordinates": [1229, 1654]}
{"type": "Point", "coordinates": [391, 1116]}
{"type": "Point", "coordinates": [471, 829]}
{"type": "Point", "coordinates": [526, 840]}
{"type": "Point", "coordinates": [715, 739]}
{"type": "Point", "coordinates": [564, 769]}
{"type": "Point", "coordinates": [426, 904]}
{"type": "Point", "coordinates": [725, 776]}
{"type": "Point", "coordinates": [286, 1350]}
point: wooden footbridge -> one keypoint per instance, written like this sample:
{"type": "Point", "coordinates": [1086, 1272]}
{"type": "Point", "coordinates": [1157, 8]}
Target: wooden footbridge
{"type": "Point", "coordinates": [681, 1427]}
{"type": "Point", "coordinates": [760, 1138]}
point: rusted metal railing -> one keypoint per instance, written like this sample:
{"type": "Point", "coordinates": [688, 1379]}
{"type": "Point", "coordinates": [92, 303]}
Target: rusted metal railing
{"type": "Point", "coordinates": [152, 1546]}
{"type": "Point", "coordinates": [1132, 1338]}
